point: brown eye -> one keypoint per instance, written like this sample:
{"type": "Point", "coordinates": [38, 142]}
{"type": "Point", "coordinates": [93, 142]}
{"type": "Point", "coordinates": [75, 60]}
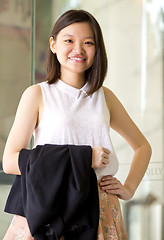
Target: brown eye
{"type": "Point", "coordinates": [68, 41]}
{"type": "Point", "coordinates": [89, 43]}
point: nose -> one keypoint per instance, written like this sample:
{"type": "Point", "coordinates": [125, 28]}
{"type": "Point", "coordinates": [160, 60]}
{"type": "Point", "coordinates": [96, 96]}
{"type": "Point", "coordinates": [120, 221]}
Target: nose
{"type": "Point", "coordinates": [78, 48]}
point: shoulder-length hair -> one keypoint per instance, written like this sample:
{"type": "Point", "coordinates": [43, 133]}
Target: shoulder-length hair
{"type": "Point", "coordinates": [95, 75]}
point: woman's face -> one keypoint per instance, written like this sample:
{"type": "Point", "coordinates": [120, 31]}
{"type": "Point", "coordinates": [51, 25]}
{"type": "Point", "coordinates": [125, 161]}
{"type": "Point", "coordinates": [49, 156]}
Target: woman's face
{"type": "Point", "coordinates": [74, 48]}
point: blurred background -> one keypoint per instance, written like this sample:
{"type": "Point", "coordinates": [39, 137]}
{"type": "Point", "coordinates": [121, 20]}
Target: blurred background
{"type": "Point", "coordinates": [134, 37]}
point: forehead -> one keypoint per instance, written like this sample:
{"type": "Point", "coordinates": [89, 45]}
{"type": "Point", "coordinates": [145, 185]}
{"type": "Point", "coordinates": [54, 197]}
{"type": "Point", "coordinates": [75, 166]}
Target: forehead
{"type": "Point", "coordinates": [81, 29]}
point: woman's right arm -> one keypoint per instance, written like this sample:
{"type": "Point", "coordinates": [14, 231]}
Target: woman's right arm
{"type": "Point", "coordinates": [25, 122]}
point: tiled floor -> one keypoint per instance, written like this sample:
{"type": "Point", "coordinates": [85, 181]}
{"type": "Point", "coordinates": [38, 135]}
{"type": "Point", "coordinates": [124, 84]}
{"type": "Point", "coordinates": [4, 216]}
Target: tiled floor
{"type": "Point", "coordinates": [4, 217]}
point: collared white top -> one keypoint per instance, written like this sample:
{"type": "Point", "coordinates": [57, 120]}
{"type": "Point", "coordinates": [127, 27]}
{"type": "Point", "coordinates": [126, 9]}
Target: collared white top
{"type": "Point", "coordinates": [71, 116]}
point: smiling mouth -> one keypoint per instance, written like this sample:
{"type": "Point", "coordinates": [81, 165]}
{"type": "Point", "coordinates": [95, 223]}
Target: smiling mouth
{"type": "Point", "coordinates": [77, 59]}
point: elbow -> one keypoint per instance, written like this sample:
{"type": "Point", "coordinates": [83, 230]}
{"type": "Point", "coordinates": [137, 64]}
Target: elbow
{"type": "Point", "coordinates": [6, 168]}
{"type": "Point", "coordinates": [10, 163]}
{"type": "Point", "coordinates": [6, 164]}
{"type": "Point", "coordinates": [148, 149]}
{"type": "Point", "coordinates": [10, 170]}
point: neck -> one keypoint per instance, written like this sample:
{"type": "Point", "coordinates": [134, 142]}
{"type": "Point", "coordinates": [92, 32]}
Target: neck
{"type": "Point", "coordinates": [74, 80]}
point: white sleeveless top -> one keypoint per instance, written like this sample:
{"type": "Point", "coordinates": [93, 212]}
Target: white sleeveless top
{"type": "Point", "coordinates": [72, 117]}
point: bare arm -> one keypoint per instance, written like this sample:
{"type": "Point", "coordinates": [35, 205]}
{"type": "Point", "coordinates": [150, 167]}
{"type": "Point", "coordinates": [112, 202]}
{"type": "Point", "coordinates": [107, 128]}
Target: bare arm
{"type": "Point", "coordinates": [21, 132]}
{"type": "Point", "coordinates": [123, 124]}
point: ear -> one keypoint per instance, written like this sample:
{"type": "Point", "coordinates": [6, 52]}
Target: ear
{"type": "Point", "coordinates": [52, 44]}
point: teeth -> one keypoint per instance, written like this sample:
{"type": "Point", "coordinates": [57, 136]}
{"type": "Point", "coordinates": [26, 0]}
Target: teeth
{"type": "Point", "coordinates": [75, 58]}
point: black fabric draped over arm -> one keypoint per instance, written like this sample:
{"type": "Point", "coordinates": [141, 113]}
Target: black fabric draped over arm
{"type": "Point", "coordinates": [57, 192]}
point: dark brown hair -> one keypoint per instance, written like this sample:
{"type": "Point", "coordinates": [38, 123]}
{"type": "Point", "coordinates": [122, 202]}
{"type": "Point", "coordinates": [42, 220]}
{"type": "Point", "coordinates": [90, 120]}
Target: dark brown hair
{"type": "Point", "coordinates": [95, 75]}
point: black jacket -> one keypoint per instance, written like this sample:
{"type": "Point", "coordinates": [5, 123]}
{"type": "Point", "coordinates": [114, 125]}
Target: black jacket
{"type": "Point", "coordinates": [57, 192]}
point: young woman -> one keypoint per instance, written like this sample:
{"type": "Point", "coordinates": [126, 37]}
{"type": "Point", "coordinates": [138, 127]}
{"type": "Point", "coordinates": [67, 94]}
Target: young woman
{"type": "Point", "coordinates": [72, 107]}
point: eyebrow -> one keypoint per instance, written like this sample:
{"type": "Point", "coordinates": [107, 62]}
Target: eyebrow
{"type": "Point", "coordinates": [69, 35]}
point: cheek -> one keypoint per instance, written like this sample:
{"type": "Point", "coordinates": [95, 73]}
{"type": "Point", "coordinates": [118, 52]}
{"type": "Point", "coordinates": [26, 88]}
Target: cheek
{"type": "Point", "coordinates": [60, 56]}
{"type": "Point", "coordinates": [63, 53]}
{"type": "Point", "coordinates": [92, 54]}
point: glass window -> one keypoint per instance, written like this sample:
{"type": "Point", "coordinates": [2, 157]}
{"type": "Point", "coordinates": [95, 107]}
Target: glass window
{"type": "Point", "coordinates": [133, 34]}
{"type": "Point", "coordinates": [15, 69]}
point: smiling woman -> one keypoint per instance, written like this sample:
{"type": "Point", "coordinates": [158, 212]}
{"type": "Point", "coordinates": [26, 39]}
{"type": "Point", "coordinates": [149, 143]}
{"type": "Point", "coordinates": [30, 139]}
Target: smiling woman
{"type": "Point", "coordinates": [72, 108]}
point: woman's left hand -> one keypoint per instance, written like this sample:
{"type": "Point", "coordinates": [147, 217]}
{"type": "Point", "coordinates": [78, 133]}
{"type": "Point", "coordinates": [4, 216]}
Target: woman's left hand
{"type": "Point", "coordinates": [112, 185]}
